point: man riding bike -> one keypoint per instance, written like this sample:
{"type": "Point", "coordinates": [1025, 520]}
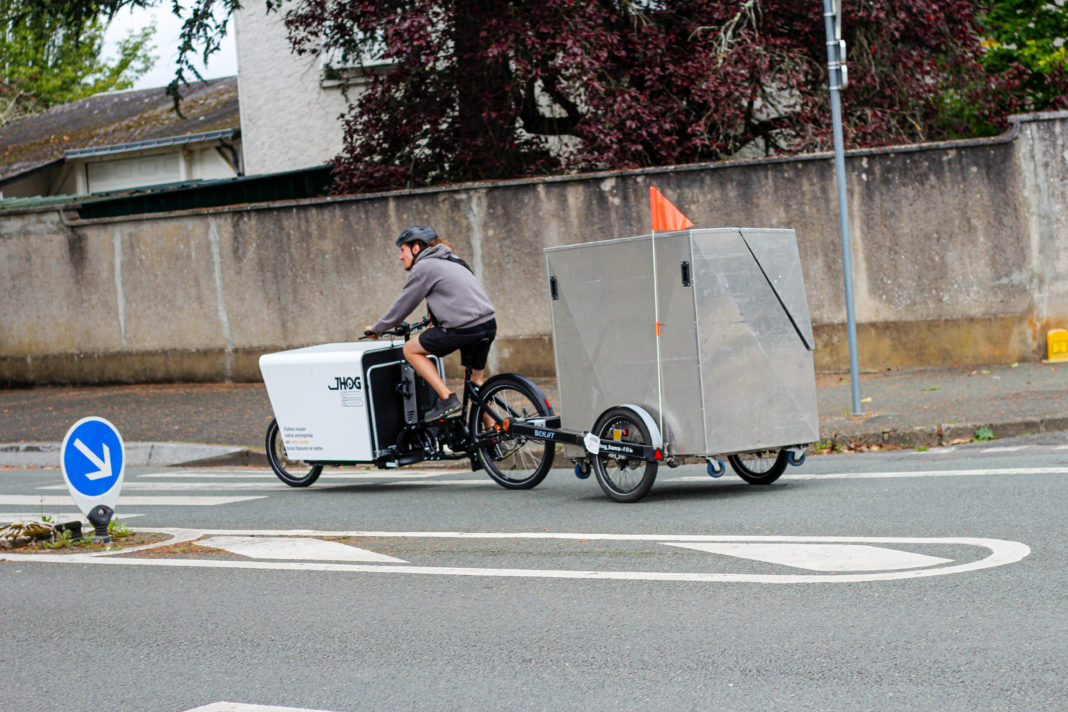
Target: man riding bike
{"type": "Point", "coordinates": [461, 313]}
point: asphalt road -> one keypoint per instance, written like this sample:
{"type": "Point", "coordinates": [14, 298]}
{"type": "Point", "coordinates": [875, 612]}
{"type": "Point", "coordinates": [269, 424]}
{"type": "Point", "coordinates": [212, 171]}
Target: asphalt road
{"type": "Point", "coordinates": [630, 613]}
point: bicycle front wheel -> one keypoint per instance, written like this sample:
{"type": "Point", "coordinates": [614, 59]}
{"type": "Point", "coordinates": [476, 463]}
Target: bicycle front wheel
{"type": "Point", "coordinates": [513, 461]}
{"type": "Point", "coordinates": [294, 473]}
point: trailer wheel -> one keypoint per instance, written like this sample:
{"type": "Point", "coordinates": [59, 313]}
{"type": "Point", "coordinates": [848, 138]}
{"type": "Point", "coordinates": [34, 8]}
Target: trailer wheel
{"type": "Point", "coordinates": [514, 462]}
{"type": "Point", "coordinates": [624, 479]}
{"type": "Point", "coordinates": [295, 473]}
{"type": "Point", "coordinates": [759, 468]}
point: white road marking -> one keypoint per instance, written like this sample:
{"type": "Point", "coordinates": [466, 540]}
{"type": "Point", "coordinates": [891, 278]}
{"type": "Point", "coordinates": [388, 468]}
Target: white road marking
{"type": "Point", "coordinates": [356, 475]}
{"type": "Point", "coordinates": [190, 486]}
{"type": "Point", "coordinates": [300, 548]}
{"type": "Point", "coordinates": [241, 707]}
{"type": "Point", "coordinates": [904, 474]}
{"type": "Point", "coordinates": [1005, 448]}
{"type": "Point", "coordinates": [1002, 552]}
{"type": "Point", "coordinates": [824, 557]}
{"type": "Point", "coordinates": [935, 450]}
{"type": "Point", "coordinates": [135, 501]}
{"type": "Point", "coordinates": [53, 516]}
{"type": "Point", "coordinates": [938, 473]}
{"type": "Point", "coordinates": [264, 486]}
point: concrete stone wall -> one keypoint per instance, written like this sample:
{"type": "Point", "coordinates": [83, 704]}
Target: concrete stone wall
{"type": "Point", "coordinates": [959, 249]}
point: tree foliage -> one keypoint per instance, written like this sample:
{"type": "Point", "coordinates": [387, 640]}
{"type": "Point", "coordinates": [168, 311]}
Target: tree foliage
{"type": "Point", "coordinates": [1030, 38]}
{"type": "Point", "coordinates": [478, 89]}
{"type": "Point", "coordinates": [481, 89]}
{"type": "Point", "coordinates": [46, 61]}
{"type": "Point", "coordinates": [203, 25]}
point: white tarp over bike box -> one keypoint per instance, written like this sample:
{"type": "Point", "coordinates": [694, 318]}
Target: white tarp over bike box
{"type": "Point", "coordinates": [732, 368]}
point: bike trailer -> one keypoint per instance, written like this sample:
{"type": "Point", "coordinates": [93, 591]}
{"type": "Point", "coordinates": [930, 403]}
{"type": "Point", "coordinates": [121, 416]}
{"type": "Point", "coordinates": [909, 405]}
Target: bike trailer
{"type": "Point", "coordinates": [708, 330]}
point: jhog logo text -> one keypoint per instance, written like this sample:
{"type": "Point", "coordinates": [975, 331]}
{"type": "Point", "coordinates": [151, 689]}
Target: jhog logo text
{"type": "Point", "coordinates": [346, 383]}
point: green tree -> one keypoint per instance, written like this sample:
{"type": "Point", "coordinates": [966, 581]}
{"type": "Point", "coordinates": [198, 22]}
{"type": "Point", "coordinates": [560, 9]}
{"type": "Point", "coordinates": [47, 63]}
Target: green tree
{"type": "Point", "coordinates": [203, 25]}
{"type": "Point", "coordinates": [1030, 38]}
{"type": "Point", "coordinates": [46, 62]}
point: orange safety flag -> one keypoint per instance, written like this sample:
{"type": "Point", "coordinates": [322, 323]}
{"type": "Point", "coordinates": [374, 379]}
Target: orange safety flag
{"type": "Point", "coordinates": [665, 215]}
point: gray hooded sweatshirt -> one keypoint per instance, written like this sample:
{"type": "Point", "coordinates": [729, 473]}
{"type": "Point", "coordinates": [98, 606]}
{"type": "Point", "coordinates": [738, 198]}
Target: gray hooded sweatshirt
{"type": "Point", "coordinates": [455, 298]}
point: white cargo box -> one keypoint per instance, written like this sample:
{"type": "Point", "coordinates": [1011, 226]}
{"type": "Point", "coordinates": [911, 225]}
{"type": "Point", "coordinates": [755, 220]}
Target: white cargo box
{"type": "Point", "coordinates": [330, 399]}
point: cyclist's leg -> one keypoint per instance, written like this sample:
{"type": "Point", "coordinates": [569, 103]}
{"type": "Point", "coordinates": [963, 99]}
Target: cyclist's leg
{"type": "Point", "coordinates": [473, 355]}
{"type": "Point", "coordinates": [416, 355]}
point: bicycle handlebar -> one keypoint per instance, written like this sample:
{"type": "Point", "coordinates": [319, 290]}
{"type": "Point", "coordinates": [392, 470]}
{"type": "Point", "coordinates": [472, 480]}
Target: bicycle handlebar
{"type": "Point", "coordinates": [402, 329]}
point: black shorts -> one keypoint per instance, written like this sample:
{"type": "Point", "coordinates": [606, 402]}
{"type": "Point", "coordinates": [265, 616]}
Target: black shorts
{"type": "Point", "coordinates": [474, 342]}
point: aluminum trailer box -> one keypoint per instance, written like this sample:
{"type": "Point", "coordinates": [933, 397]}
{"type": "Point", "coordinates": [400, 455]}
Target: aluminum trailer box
{"type": "Point", "coordinates": [722, 356]}
{"type": "Point", "coordinates": [338, 403]}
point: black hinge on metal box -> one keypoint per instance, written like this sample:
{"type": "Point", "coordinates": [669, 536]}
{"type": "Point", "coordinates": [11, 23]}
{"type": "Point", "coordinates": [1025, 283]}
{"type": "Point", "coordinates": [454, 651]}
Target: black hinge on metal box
{"type": "Point", "coordinates": [685, 273]}
{"type": "Point", "coordinates": [552, 288]}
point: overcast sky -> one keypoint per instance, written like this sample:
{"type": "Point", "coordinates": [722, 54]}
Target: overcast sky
{"type": "Point", "coordinates": [221, 64]}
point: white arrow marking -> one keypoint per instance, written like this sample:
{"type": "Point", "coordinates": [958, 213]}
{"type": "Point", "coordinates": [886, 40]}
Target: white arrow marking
{"type": "Point", "coordinates": [104, 466]}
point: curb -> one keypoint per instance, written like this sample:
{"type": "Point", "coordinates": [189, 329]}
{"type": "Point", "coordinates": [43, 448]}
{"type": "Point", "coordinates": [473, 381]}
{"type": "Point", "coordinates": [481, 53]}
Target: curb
{"type": "Point", "coordinates": [945, 434]}
{"type": "Point", "coordinates": [138, 454]}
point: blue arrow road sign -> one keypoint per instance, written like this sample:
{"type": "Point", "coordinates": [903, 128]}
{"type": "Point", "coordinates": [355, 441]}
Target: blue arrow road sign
{"type": "Point", "coordinates": [93, 460]}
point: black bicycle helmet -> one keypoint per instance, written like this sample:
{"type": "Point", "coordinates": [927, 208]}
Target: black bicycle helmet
{"type": "Point", "coordinates": [417, 233]}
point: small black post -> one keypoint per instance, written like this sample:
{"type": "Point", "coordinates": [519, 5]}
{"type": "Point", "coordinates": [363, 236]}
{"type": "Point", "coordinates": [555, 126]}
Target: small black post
{"type": "Point", "coordinates": [100, 516]}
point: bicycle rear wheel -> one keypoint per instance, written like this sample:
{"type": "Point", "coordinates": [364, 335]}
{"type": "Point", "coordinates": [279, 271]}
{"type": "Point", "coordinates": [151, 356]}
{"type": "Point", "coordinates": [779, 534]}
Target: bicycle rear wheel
{"type": "Point", "coordinates": [513, 461]}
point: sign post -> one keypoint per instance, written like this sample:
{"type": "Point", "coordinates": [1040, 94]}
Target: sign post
{"type": "Point", "coordinates": [836, 69]}
{"type": "Point", "coordinates": [93, 460]}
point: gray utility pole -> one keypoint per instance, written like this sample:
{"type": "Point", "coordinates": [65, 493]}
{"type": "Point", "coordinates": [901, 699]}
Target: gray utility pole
{"type": "Point", "coordinates": [837, 74]}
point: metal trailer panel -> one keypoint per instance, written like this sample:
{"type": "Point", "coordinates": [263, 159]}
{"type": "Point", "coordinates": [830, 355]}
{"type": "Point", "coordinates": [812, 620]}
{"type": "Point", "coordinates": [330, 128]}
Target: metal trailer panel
{"type": "Point", "coordinates": [754, 341]}
{"type": "Point", "coordinates": [736, 370]}
{"type": "Point", "coordinates": [601, 318]}
{"type": "Point", "coordinates": [680, 357]}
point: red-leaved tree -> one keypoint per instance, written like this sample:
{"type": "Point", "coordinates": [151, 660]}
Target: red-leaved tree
{"type": "Point", "coordinates": [487, 89]}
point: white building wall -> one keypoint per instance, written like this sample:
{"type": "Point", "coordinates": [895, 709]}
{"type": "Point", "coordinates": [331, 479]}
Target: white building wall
{"type": "Point", "coordinates": [288, 121]}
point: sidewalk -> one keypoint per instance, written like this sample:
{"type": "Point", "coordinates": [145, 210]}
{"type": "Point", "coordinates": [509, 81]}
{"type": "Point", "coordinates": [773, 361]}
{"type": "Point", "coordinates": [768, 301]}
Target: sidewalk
{"type": "Point", "coordinates": [225, 423]}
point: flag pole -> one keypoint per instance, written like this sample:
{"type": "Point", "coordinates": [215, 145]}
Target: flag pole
{"type": "Point", "coordinates": [656, 318]}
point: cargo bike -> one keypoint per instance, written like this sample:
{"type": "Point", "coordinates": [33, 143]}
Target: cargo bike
{"type": "Point", "coordinates": [727, 372]}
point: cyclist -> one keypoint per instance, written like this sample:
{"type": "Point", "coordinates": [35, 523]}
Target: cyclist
{"type": "Point", "coordinates": [461, 314]}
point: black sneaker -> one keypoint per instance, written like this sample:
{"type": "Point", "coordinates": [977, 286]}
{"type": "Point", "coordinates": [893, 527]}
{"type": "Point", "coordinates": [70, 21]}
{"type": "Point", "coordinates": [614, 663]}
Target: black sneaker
{"type": "Point", "coordinates": [443, 409]}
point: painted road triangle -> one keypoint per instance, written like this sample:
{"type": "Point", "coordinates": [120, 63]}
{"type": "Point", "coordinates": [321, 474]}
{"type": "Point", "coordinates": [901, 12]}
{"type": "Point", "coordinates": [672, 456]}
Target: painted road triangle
{"type": "Point", "coordinates": [822, 557]}
{"type": "Point", "coordinates": [296, 549]}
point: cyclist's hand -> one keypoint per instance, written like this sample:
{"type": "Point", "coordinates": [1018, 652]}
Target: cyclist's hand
{"type": "Point", "coordinates": [368, 333]}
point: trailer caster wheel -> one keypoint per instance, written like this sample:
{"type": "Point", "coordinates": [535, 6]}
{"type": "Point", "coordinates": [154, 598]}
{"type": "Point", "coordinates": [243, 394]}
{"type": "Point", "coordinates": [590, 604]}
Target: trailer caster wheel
{"type": "Point", "coordinates": [794, 459]}
{"type": "Point", "coordinates": [582, 469]}
{"type": "Point", "coordinates": [759, 468]}
{"type": "Point", "coordinates": [716, 468]}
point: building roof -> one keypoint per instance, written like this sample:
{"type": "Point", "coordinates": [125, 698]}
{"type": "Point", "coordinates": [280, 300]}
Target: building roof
{"type": "Point", "coordinates": [113, 118]}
